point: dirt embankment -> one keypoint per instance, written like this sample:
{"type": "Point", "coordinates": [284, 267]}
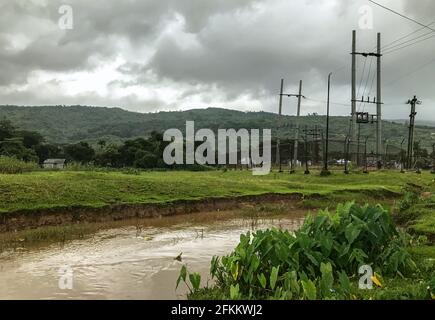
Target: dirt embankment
{"type": "Point", "coordinates": [29, 219]}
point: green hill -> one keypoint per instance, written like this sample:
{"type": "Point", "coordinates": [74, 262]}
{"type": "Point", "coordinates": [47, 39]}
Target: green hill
{"type": "Point", "coordinates": [61, 124]}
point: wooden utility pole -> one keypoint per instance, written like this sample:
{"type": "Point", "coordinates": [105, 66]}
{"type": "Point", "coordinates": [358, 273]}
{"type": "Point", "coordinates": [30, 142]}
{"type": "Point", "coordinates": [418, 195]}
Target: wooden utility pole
{"type": "Point", "coordinates": [278, 141]}
{"type": "Point", "coordinates": [353, 111]}
{"type": "Point", "coordinates": [295, 152]}
{"type": "Point", "coordinates": [379, 102]}
{"type": "Point", "coordinates": [410, 154]}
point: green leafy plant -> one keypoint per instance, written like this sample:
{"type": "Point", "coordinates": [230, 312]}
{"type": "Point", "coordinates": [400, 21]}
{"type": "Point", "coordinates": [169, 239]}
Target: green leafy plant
{"type": "Point", "coordinates": [316, 262]}
{"type": "Point", "coordinates": [10, 165]}
{"type": "Point", "coordinates": [186, 277]}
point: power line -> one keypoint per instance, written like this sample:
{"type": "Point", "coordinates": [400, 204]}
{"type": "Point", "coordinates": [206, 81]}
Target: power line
{"type": "Point", "coordinates": [386, 47]}
{"type": "Point", "coordinates": [371, 88]}
{"type": "Point", "coordinates": [362, 76]}
{"type": "Point", "coordinates": [411, 40]}
{"type": "Point", "coordinates": [408, 41]}
{"type": "Point", "coordinates": [411, 44]}
{"type": "Point", "coordinates": [367, 81]}
{"type": "Point", "coordinates": [403, 16]}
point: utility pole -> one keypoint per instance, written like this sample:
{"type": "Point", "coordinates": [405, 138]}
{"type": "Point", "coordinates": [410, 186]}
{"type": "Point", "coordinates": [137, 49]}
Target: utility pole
{"type": "Point", "coordinates": [365, 156]}
{"type": "Point", "coordinates": [299, 96]}
{"type": "Point", "coordinates": [307, 171]}
{"type": "Point", "coordinates": [346, 154]}
{"type": "Point", "coordinates": [379, 101]}
{"type": "Point", "coordinates": [315, 133]}
{"type": "Point", "coordinates": [386, 152]}
{"type": "Point", "coordinates": [295, 152]}
{"type": "Point", "coordinates": [402, 156]}
{"type": "Point", "coordinates": [353, 123]}
{"type": "Point", "coordinates": [417, 157]}
{"type": "Point", "coordinates": [360, 117]}
{"type": "Point", "coordinates": [325, 171]}
{"type": "Point", "coordinates": [410, 153]}
{"type": "Point", "coordinates": [433, 159]}
{"type": "Point", "coordinates": [278, 141]}
{"type": "Point", "coordinates": [358, 143]}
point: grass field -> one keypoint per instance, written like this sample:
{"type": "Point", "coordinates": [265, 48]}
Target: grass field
{"type": "Point", "coordinates": [413, 196]}
{"type": "Point", "coordinates": [43, 190]}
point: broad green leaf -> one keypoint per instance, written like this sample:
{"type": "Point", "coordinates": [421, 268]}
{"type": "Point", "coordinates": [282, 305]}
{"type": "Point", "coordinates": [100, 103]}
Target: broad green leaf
{"type": "Point", "coordinates": [234, 292]}
{"type": "Point", "coordinates": [195, 280]}
{"type": "Point", "coordinates": [273, 277]}
{"type": "Point", "coordinates": [262, 280]}
{"type": "Point", "coordinates": [327, 280]}
{"type": "Point", "coordinates": [310, 291]}
{"type": "Point", "coordinates": [344, 282]}
{"type": "Point", "coordinates": [181, 276]}
{"type": "Point", "coordinates": [352, 232]}
{"type": "Point", "coordinates": [235, 270]}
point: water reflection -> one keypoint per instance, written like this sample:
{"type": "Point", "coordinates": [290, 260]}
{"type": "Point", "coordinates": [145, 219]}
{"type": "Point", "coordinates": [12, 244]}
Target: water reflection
{"type": "Point", "coordinates": [130, 262]}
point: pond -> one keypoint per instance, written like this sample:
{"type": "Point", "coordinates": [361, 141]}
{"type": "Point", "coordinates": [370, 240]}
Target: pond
{"type": "Point", "coordinates": [129, 262]}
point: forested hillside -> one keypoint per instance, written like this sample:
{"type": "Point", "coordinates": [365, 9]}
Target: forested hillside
{"type": "Point", "coordinates": [60, 124]}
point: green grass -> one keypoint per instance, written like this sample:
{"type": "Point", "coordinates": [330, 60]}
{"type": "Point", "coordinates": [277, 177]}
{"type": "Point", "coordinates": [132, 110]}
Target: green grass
{"type": "Point", "coordinates": [420, 218]}
{"type": "Point", "coordinates": [51, 190]}
{"type": "Point", "coordinates": [414, 287]}
{"type": "Point", "coordinates": [9, 165]}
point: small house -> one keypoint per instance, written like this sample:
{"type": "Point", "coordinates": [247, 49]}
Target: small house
{"type": "Point", "coordinates": [54, 164]}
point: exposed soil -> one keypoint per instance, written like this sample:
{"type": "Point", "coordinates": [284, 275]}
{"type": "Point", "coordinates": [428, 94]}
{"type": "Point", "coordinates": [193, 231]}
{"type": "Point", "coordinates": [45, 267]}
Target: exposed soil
{"type": "Point", "coordinates": [29, 219]}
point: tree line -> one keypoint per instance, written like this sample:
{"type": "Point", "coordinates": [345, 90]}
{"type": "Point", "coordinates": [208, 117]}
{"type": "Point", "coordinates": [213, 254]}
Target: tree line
{"type": "Point", "coordinates": [31, 146]}
{"type": "Point", "coordinates": [147, 153]}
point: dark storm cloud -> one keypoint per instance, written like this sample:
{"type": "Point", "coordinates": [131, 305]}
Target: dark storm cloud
{"type": "Point", "coordinates": [204, 49]}
{"type": "Point", "coordinates": [97, 26]}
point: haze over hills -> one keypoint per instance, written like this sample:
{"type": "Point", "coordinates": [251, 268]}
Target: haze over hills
{"type": "Point", "coordinates": [419, 122]}
{"type": "Point", "coordinates": [61, 124]}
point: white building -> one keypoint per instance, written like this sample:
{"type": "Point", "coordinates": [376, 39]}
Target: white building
{"type": "Point", "coordinates": [54, 164]}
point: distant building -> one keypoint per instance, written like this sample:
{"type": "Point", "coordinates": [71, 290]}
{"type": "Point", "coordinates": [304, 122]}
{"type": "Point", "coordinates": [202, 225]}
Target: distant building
{"type": "Point", "coordinates": [54, 164]}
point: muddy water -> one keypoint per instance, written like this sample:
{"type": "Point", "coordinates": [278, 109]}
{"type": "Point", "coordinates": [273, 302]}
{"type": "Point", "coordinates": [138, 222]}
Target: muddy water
{"type": "Point", "coordinates": [126, 262]}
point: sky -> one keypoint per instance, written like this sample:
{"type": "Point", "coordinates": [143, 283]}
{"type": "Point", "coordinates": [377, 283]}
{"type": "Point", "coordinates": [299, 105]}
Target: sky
{"type": "Point", "coordinates": [164, 55]}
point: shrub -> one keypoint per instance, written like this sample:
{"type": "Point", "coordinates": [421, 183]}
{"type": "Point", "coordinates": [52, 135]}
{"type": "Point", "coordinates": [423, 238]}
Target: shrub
{"type": "Point", "coordinates": [318, 260]}
{"type": "Point", "coordinates": [410, 198]}
{"type": "Point", "coordinates": [10, 165]}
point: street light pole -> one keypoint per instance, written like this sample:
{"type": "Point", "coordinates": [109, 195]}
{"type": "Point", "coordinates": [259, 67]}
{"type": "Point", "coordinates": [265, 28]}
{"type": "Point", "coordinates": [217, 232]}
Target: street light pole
{"type": "Point", "coordinates": [325, 171]}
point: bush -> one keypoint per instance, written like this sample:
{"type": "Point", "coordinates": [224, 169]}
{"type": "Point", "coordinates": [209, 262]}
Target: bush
{"type": "Point", "coordinates": [410, 197]}
{"type": "Point", "coordinates": [10, 165]}
{"type": "Point", "coordinates": [318, 260]}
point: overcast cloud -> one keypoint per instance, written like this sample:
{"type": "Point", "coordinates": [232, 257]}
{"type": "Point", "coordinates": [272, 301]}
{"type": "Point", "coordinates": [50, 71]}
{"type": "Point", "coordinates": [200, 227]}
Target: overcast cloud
{"type": "Point", "coordinates": [154, 55]}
